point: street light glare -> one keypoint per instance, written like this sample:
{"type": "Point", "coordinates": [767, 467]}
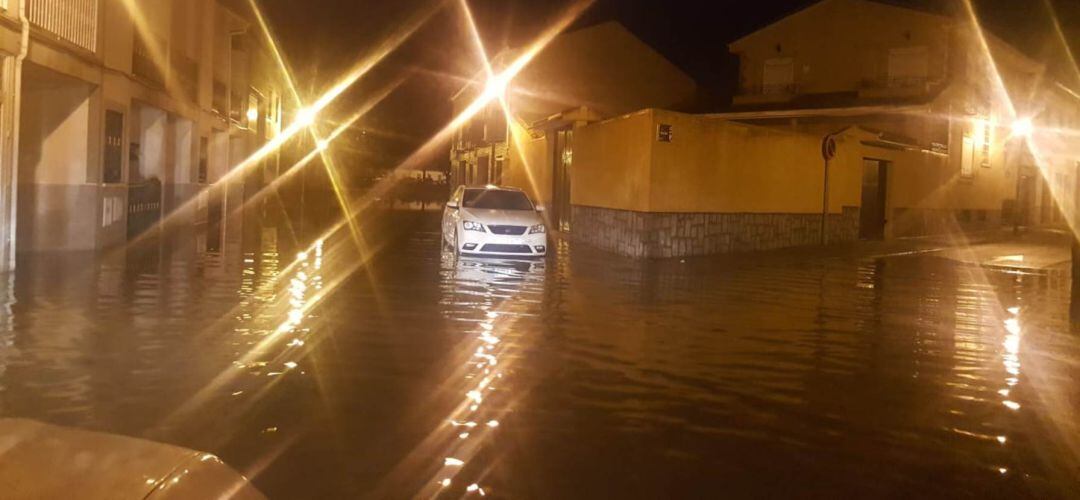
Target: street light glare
{"type": "Point", "coordinates": [305, 117]}
{"type": "Point", "coordinates": [1023, 127]}
{"type": "Point", "coordinates": [496, 86]}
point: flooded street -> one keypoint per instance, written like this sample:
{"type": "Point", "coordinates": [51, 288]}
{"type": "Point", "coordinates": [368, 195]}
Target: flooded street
{"type": "Point", "coordinates": [321, 373]}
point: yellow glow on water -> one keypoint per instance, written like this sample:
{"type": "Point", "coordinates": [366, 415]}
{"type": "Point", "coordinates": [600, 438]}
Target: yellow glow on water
{"type": "Point", "coordinates": [1012, 405]}
{"type": "Point", "coordinates": [1012, 325]}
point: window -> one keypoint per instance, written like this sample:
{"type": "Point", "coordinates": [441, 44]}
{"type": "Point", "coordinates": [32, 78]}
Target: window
{"type": "Point", "coordinates": [967, 158]}
{"type": "Point", "coordinates": [113, 171]}
{"type": "Point", "coordinates": [778, 76]}
{"type": "Point", "coordinates": [907, 66]}
{"type": "Point", "coordinates": [981, 131]}
{"type": "Point", "coordinates": [252, 115]}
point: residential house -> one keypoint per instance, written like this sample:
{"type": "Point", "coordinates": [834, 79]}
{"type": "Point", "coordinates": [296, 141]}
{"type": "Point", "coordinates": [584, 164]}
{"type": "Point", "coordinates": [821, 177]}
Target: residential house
{"type": "Point", "coordinates": [124, 112]}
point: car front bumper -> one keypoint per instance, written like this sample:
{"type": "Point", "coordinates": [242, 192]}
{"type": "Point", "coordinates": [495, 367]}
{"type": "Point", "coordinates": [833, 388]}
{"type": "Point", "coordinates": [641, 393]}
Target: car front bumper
{"type": "Point", "coordinates": [475, 243]}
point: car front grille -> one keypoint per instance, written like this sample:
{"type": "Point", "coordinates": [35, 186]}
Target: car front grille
{"type": "Point", "coordinates": [500, 248]}
{"type": "Point", "coordinates": [508, 230]}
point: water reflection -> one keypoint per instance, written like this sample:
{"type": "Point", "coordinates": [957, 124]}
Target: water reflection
{"type": "Point", "coordinates": [323, 374]}
{"type": "Point", "coordinates": [498, 294]}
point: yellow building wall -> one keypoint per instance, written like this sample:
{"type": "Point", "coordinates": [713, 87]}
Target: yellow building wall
{"type": "Point", "coordinates": [612, 161]}
{"type": "Point", "coordinates": [713, 165]}
{"type": "Point", "coordinates": [528, 165]}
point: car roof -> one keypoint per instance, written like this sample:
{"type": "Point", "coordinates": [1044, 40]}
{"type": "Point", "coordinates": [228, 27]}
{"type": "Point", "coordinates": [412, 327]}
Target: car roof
{"type": "Point", "coordinates": [491, 187]}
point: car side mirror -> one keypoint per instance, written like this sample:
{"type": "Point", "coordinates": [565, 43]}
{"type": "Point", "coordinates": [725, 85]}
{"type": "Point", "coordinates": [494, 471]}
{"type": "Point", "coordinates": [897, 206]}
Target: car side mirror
{"type": "Point", "coordinates": [452, 205]}
{"type": "Point", "coordinates": [540, 208]}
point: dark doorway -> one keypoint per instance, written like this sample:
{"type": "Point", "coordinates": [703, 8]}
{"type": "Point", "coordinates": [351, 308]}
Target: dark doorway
{"type": "Point", "coordinates": [144, 196]}
{"type": "Point", "coordinates": [560, 192]}
{"type": "Point", "coordinates": [215, 218]}
{"type": "Point", "coordinates": [1025, 197]}
{"type": "Point", "coordinates": [113, 169]}
{"type": "Point", "coordinates": [874, 189]}
{"type": "Point", "coordinates": [483, 163]}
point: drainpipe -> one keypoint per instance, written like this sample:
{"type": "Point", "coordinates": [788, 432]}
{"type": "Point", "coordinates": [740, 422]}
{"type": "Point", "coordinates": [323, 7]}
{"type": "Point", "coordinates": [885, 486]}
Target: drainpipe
{"type": "Point", "coordinates": [24, 50]}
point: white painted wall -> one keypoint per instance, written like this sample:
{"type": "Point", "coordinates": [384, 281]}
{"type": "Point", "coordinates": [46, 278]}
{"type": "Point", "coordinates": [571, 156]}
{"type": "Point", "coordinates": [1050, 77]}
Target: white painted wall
{"type": "Point", "coordinates": [54, 138]}
{"type": "Point", "coordinates": [154, 123]}
{"type": "Point", "coordinates": [184, 135]}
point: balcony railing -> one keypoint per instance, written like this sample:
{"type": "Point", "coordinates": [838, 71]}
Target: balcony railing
{"type": "Point", "coordinates": [75, 21]}
{"type": "Point", "coordinates": [186, 73]}
{"type": "Point", "coordinates": [895, 82]}
{"type": "Point", "coordinates": [770, 89]}
{"type": "Point", "coordinates": [143, 64]}
{"type": "Point", "coordinates": [236, 109]}
{"type": "Point", "coordinates": [220, 99]}
{"type": "Point", "coordinates": [885, 87]}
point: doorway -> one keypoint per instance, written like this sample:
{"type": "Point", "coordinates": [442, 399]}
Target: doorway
{"type": "Point", "coordinates": [874, 190]}
{"type": "Point", "coordinates": [560, 192]}
{"type": "Point", "coordinates": [483, 166]}
{"type": "Point", "coordinates": [1025, 197]}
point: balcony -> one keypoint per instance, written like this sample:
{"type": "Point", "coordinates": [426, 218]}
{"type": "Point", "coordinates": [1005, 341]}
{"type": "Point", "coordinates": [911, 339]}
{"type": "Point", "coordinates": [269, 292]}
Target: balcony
{"type": "Point", "coordinates": [186, 74]}
{"type": "Point", "coordinates": [74, 21]}
{"type": "Point", "coordinates": [220, 101]}
{"type": "Point", "coordinates": [884, 87]}
{"type": "Point", "coordinates": [236, 110]}
{"type": "Point", "coordinates": [766, 94]}
{"type": "Point", "coordinates": [143, 64]}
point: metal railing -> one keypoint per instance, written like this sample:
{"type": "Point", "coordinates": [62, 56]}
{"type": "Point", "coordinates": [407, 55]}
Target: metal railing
{"type": "Point", "coordinates": [143, 64]}
{"type": "Point", "coordinates": [770, 89]}
{"type": "Point", "coordinates": [75, 21]}
{"type": "Point", "coordinates": [220, 98]}
{"type": "Point", "coordinates": [186, 72]}
{"type": "Point", "coordinates": [894, 82]}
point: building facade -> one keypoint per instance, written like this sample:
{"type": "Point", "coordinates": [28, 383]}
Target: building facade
{"type": "Point", "coordinates": [581, 77]}
{"type": "Point", "coordinates": [118, 113]}
{"type": "Point", "coordinates": [924, 82]}
{"type": "Point", "coordinates": [933, 126]}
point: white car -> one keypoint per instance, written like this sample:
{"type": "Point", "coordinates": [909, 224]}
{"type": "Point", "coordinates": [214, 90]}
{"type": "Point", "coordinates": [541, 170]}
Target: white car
{"type": "Point", "coordinates": [493, 221]}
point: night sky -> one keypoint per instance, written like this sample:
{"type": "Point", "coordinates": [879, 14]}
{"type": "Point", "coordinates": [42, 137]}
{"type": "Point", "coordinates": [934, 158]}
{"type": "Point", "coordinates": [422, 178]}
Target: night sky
{"type": "Point", "coordinates": [322, 38]}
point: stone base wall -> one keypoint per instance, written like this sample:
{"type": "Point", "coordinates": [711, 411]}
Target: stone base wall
{"type": "Point", "coordinates": [648, 234]}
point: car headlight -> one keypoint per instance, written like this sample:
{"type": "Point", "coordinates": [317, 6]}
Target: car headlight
{"type": "Point", "coordinates": [472, 226]}
{"type": "Point", "coordinates": [539, 228]}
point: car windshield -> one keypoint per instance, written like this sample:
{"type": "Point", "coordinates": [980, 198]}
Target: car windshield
{"type": "Point", "coordinates": [495, 199]}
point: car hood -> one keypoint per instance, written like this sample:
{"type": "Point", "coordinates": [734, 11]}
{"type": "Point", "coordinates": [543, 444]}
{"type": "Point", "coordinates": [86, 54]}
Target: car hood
{"type": "Point", "coordinates": [47, 461]}
{"type": "Point", "coordinates": [501, 217]}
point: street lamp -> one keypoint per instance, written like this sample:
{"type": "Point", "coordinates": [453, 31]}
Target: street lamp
{"type": "Point", "coordinates": [1023, 127]}
{"type": "Point", "coordinates": [305, 117]}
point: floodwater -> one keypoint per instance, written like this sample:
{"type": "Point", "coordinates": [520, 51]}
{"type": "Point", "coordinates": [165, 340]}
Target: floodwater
{"type": "Point", "coordinates": [332, 374]}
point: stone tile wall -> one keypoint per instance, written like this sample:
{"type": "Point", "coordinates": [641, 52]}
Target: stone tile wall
{"type": "Point", "coordinates": [644, 234]}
